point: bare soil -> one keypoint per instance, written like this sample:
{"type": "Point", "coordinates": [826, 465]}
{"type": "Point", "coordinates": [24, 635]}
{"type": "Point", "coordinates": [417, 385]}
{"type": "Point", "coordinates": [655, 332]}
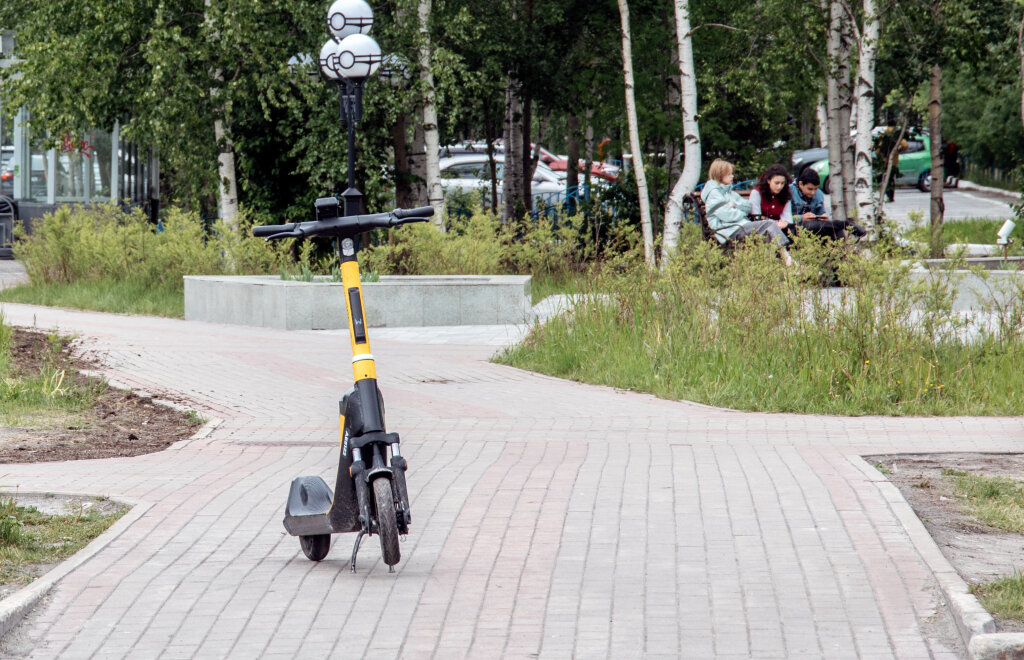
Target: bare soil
{"type": "Point", "coordinates": [120, 424]}
{"type": "Point", "coordinates": [979, 553]}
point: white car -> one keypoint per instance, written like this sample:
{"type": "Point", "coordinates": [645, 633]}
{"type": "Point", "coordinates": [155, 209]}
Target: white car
{"type": "Point", "coordinates": [471, 172]}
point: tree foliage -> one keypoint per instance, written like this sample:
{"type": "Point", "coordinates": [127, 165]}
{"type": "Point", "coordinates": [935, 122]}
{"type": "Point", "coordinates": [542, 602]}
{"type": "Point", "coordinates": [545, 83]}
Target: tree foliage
{"type": "Point", "coordinates": [153, 66]}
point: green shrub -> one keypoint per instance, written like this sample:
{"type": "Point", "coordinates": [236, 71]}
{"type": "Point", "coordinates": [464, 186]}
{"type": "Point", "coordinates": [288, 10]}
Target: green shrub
{"type": "Point", "coordinates": [545, 247]}
{"type": "Point", "coordinates": [104, 242]}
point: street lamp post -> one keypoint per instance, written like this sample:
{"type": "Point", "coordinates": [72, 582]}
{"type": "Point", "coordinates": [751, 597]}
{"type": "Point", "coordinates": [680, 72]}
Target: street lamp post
{"type": "Point", "coordinates": [347, 59]}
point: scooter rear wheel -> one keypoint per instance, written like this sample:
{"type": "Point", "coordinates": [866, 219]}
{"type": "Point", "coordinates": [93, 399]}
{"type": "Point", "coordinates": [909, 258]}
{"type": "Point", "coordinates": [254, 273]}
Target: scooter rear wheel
{"type": "Point", "coordinates": [387, 524]}
{"type": "Point", "coordinates": [315, 547]}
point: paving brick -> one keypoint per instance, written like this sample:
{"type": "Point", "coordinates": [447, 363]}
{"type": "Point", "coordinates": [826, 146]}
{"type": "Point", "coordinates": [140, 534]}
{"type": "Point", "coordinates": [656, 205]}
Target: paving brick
{"type": "Point", "coordinates": [550, 517]}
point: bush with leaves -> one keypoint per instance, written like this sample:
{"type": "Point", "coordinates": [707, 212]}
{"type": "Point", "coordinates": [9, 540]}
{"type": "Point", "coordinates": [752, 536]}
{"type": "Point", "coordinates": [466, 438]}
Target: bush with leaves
{"type": "Point", "coordinates": [104, 242]}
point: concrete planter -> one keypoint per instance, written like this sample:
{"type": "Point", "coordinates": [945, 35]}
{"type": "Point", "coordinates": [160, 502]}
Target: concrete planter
{"type": "Point", "coordinates": [394, 301]}
{"type": "Point", "coordinates": [988, 263]}
{"type": "Point", "coordinates": [972, 291]}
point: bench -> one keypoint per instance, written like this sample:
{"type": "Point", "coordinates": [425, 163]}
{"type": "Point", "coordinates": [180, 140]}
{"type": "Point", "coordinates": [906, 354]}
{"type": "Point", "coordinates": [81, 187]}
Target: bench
{"type": "Point", "coordinates": [694, 211]}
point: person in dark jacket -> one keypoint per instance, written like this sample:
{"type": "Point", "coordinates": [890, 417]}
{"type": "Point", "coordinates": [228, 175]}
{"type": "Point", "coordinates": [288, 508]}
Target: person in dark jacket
{"type": "Point", "coordinates": [808, 208]}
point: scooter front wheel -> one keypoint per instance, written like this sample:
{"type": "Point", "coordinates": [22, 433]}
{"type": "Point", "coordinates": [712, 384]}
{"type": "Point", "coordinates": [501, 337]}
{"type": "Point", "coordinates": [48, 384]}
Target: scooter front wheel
{"type": "Point", "coordinates": [315, 547]}
{"type": "Point", "coordinates": [387, 524]}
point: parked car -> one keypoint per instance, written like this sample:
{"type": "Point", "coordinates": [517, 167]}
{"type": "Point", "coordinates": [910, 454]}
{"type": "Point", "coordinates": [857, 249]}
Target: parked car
{"type": "Point", "coordinates": [469, 172]}
{"type": "Point", "coordinates": [37, 183]}
{"type": "Point", "coordinates": [558, 163]}
{"type": "Point", "coordinates": [561, 164]}
{"type": "Point", "coordinates": [805, 157]}
{"type": "Point", "coordinates": [7, 171]}
{"type": "Point", "coordinates": [914, 168]}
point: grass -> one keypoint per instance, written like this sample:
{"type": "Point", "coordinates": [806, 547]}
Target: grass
{"type": "Point", "coordinates": [47, 396]}
{"type": "Point", "coordinates": [744, 332]}
{"type": "Point", "coordinates": [103, 295]}
{"type": "Point", "coordinates": [1004, 597]}
{"type": "Point", "coordinates": [995, 501]}
{"type": "Point", "coordinates": [973, 230]}
{"type": "Point", "coordinates": [29, 538]}
{"type": "Point", "coordinates": [542, 286]}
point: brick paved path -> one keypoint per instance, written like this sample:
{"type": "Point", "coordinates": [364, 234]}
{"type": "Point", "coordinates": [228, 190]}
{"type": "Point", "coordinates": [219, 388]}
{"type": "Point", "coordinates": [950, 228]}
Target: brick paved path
{"type": "Point", "coordinates": [551, 519]}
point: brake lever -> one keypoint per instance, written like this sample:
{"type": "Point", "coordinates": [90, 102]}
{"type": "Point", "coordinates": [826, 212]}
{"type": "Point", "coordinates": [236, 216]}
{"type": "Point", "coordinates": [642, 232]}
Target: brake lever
{"type": "Point", "coordinates": [297, 233]}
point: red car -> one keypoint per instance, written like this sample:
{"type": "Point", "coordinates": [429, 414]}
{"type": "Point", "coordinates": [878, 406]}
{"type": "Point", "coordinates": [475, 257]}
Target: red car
{"type": "Point", "coordinates": [559, 164]}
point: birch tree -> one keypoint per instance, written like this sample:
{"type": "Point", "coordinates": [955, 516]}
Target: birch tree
{"type": "Point", "coordinates": [867, 48]}
{"type": "Point", "coordinates": [833, 96]}
{"type": "Point", "coordinates": [1020, 54]}
{"type": "Point", "coordinates": [435, 195]}
{"type": "Point", "coordinates": [691, 134]}
{"type": "Point", "coordinates": [938, 206]}
{"type": "Point", "coordinates": [634, 136]}
{"type": "Point", "coordinates": [227, 182]}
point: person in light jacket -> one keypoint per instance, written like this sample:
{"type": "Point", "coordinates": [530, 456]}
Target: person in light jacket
{"type": "Point", "coordinates": [728, 212]}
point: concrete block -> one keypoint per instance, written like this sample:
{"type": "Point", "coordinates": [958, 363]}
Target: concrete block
{"type": "Point", "coordinates": [394, 301]}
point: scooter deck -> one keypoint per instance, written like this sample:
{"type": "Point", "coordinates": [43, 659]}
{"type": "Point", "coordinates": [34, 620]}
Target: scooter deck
{"type": "Point", "coordinates": [309, 501]}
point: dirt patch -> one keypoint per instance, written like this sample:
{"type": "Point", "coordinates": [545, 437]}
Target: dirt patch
{"type": "Point", "coordinates": [979, 553]}
{"type": "Point", "coordinates": [120, 424]}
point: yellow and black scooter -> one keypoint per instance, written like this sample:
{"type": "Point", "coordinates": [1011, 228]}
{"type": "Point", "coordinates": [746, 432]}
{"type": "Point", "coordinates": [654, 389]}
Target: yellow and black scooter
{"type": "Point", "coordinates": [370, 495]}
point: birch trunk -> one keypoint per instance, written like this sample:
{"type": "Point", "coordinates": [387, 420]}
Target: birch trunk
{"type": "Point", "coordinates": [832, 95]}
{"type": "Point", "coordinates": [227, 181]}
{"type": "Point", "coordinates": [1020, 53]}
{"type": "Point", "coordinates": [634, 136]}
{"type": "Point", "coordinates": [938, 206]}
{"type": "Point", "coordinates": [691, 134]}
{"type": "Point", "coordinates": [846, 112]}
{"type": "Point", "coordinates": [868, 48]}
{"type": "Point", "coordinates": [821, 114]}
{"type": "Point", "coordinates": [435, 195]}
{"type": "Point", "coordinates": [512, 181]}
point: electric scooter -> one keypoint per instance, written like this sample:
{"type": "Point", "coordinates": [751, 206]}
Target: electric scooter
{"type": "Point", "coordinates": [370, 495]}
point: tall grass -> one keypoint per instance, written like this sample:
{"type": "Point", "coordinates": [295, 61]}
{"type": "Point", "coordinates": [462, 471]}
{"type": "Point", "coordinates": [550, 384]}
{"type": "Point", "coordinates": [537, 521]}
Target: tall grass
{"type": "Point", "coordinates": [745, 332]}
{"type": "Point", "coordinates": [973, 230]}
{"type": "Point", "coordinates": [104, 258]}
{"type": "Point", "coordinates": [44, 395]}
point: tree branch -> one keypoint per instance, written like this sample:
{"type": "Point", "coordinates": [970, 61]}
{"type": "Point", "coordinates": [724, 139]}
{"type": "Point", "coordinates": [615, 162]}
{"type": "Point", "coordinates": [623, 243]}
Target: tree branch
{"type": "Point", "coordinates": [718, 25]}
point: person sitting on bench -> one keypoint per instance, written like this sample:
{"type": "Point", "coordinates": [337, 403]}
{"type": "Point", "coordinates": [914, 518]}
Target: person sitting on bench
{"type": "Point", "coordinates": [727, 211]}
{"type": "Point", "coordinates": [808, 208]}
{"type": "Point", "coordinates": [770, 198]}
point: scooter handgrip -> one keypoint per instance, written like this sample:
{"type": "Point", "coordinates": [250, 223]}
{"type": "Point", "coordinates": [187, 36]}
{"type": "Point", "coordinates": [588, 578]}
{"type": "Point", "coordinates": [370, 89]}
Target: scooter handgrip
{"type": "Point", "coordinates": [421, 212]}
{"type": "Point", "coordinates": [269, 230]}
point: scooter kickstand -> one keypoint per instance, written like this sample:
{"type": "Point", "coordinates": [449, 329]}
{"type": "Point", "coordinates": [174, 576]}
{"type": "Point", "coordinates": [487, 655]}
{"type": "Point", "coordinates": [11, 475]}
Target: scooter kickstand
{"type": "Point", "coordinates": [355, 551]}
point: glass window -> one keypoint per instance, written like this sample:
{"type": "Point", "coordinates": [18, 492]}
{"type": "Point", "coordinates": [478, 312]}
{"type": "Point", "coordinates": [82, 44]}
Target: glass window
{"type": "Point", "coordinates": [38, 164]}
{"type": "Point", "coordinates": [71, 170]}
{"type": "Point", "coordinates": [97, 153]}
{"type": "Point", "coordinates": [462, 171]}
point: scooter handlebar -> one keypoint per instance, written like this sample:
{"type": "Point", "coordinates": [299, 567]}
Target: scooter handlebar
{"type": "Point", "coordinates": [346, 226]}
{"type": "Point", "coordinates": [421, 213]}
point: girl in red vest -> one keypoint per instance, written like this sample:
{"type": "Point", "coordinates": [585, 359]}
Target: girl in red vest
{"type": "Point", "coordinates": [770, 199]}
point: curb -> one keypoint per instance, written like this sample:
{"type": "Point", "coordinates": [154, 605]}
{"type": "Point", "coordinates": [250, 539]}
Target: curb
{"type": "Point", "coordinates": [977, 627]}
{"type": "Point", "coordinates": [204, 431]}
{"type": "Point", "coordinates": [14, 608]}
{"type": "Point", "coordinates": [967, 185]}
